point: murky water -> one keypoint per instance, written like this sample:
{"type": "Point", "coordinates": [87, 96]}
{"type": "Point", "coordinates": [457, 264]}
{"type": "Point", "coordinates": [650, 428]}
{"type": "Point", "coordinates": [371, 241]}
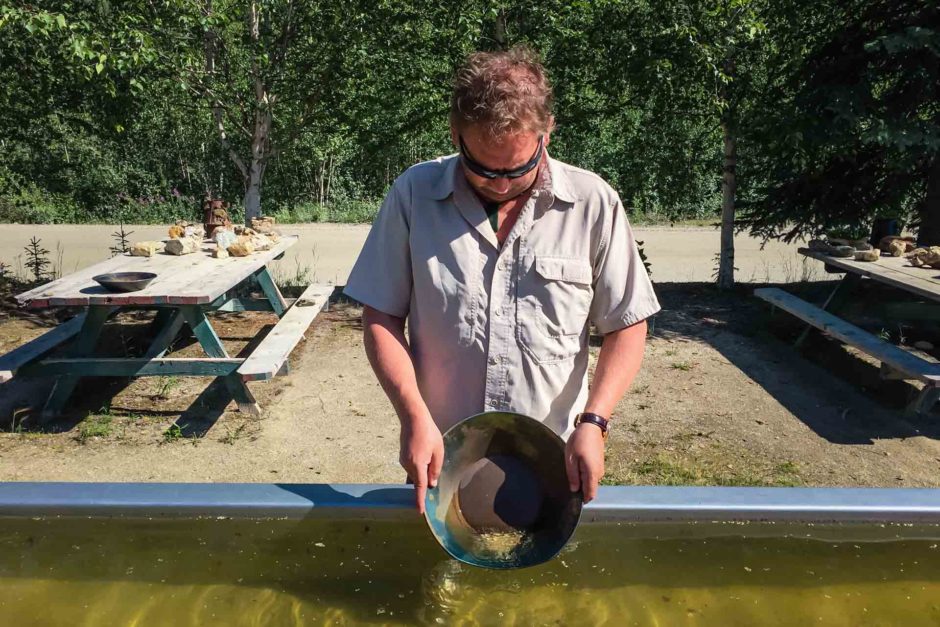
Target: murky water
{"type": "Point", "coordinates": [279, 572]}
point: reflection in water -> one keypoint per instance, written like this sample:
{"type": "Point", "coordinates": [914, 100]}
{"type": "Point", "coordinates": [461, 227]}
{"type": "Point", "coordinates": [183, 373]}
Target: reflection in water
{"type": "Point", "coordinates": [279, 572]}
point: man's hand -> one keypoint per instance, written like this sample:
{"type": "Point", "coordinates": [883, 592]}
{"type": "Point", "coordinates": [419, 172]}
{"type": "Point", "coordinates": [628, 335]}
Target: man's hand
{"type": "Point", "coordinates": [422, 455]}
{"type": "Point", "coordinates": [584, 459]}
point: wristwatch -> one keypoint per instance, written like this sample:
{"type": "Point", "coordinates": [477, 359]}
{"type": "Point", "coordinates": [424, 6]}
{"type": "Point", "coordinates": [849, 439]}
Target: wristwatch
{"type": "Point", "coordinates": [602, 423]}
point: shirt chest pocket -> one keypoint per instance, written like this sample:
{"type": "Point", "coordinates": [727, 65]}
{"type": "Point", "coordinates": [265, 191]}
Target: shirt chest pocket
{"type": "Point", "coordinates": [553, 303]}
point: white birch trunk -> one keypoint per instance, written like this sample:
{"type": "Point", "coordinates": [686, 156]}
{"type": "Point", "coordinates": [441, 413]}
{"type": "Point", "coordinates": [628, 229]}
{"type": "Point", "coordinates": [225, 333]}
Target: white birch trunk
{"type": "Point", "coordinates": [728, 184]}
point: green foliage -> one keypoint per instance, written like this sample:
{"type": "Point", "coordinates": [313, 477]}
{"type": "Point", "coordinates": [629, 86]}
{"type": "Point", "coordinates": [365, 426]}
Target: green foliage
{"type": "Point", "coordinates": [37, 259]}
{"type": "Point", "coordinates": [95, 426]}
{"type": "Point", "coordinates": [133, 112]}
{"type": "Point", "coordinates": [121, 239]}
{"type": "Point", "coordinates": [351, 211]}
{"type": "Point", "coordinates": [174, 433]}
{"type": "Point", "coordinates": [849, 127]}
{"type": "Point", "coordinates": [849, 232]}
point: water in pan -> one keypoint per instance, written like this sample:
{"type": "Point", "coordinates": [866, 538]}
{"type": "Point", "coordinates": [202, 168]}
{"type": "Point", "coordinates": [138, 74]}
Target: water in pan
{"type": "Point", "coordinates": [82, 571]}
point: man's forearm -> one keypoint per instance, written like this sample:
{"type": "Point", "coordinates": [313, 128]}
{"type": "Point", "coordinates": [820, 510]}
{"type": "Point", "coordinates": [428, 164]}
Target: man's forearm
{"type": "Point", "coordinates": [617, 365]}
{"type": "Point", "coordinates": [390, 357]}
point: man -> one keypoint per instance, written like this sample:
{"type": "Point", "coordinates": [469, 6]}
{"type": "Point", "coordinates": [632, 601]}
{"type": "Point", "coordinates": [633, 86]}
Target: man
{"type": "Point", "coordinates": [499, 257]}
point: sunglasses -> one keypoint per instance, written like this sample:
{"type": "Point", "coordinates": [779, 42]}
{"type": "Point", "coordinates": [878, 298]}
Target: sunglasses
{"type": "Point", "coordinates": [515, 173]}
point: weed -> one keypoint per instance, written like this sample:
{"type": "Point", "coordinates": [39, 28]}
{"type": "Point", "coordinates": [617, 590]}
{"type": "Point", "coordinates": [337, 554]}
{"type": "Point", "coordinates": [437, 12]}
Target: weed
{"type": "Point", "coordinates": [809, 272]}
{"type": "Point", "coordinates": [55, 271]}
{"type": "Point", "coordinates": [787, 468]}
{"type": "Point", "coordinates": [641, 389]}
{"type": "Point", "coordinates": [95, 426]}
{"type": "Point", "coordinates": [883, 334]}
{"type": "Point", "coordinates": [20, 416]}
{"type": "Point", "coordinates": [166, 385]}
{"type": "Point", "coordinates": [174, 433]}
{"type": "Point", "coordinates": [681, 365]}
{"type": "Point", "coordinates": [299, 278]}
{"type": "Point", "coordinates": [671, 352]}
{"type": "Point", "coordinates": [231, 437]}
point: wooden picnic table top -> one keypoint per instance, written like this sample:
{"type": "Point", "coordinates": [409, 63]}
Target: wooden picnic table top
{"type": "Point", "coordinates": [193, 279]}
{"type": "Point", "coordinates": [895, 271]}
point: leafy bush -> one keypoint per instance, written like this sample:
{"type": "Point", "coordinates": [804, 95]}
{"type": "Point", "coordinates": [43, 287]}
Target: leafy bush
{"type": "Point", "coordinates": [348, 211]}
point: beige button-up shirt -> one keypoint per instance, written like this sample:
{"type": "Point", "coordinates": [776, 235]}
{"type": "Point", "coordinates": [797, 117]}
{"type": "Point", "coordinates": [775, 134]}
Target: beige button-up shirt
{"type": "Point", "coordinates": [503, 327]}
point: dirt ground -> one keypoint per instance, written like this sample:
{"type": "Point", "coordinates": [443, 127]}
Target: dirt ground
{"type": "Point", "coordinates": [722, 399]}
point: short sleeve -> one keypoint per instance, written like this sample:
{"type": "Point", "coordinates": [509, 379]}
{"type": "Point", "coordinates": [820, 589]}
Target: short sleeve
{"type": "Point", "coordinates": [381, 277]}
{"type": "Point", "coordinates": [623, 292]}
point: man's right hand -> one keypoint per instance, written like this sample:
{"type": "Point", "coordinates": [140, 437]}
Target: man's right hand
{"type": "Point", "coordinates": [422, 455]}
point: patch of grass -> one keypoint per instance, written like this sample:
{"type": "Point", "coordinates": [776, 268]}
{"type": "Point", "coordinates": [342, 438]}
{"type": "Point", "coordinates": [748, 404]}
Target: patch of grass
{"type": "Point", "coordinates": [674, 471]}
{"type": "Point", "coordinates": [681, 365]}
{"type": "Point", "coordinates": [788, 470]}
{"type": "Point", "coordinates": [173, 433]}
{"type": "Point", "coordinates": [640, 389]}
{"type": "Point", "coordinates": [95, 426]}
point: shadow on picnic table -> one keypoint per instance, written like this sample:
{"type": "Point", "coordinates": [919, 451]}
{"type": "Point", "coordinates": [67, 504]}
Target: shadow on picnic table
{"type": "Point", "coordinates": [835, 393]}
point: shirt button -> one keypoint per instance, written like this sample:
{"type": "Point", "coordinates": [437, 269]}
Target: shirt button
{"type": "Point", "coordinates": [503, 265]}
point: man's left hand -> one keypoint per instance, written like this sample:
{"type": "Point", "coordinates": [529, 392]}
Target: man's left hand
{"type": "Point", "coordinates": [584, 459]}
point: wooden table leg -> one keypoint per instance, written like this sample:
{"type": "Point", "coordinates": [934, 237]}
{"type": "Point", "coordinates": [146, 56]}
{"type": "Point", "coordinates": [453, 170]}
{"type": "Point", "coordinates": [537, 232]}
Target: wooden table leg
{"type": "Point", "coordinates": [924, 401]}
{"type": "Point", "coordinates": [264, 279]}
{"type": "Point", "coordinates": [199, 323]}
{"type": "Point", "coordinates": [834, 302]}
{"type": "Point", "coordinates": [172, 322]}
{"type": "Point", "coordinates": [83, 346]}
{"type": "Point", "coordinates": [159, 321]}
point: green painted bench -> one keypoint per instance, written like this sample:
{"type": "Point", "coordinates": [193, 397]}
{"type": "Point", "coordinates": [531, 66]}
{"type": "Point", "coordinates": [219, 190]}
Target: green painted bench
{"type": "Point", "coordinates": [269, 358]}
{"type": "Point", "coordinates": [897, 363]}
{"type": "Point", "coordinates": [42, 345]}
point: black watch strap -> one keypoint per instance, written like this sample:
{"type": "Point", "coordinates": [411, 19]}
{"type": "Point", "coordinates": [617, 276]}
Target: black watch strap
{"type": "Point", "coordinates": [594, 419]}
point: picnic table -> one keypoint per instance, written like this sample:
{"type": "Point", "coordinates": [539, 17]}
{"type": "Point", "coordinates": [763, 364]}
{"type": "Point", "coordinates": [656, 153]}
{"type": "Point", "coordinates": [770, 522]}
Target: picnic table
{"type": "Point", "coordinates": [186, 288]}
{"type": "Point", "coordinates": [896, 362]}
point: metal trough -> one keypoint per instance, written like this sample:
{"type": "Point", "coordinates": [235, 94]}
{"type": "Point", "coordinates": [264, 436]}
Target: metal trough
{"type": "Point", "coordinates": [626, 503]}
{"type": "Point", "coordinates": [204, 554]}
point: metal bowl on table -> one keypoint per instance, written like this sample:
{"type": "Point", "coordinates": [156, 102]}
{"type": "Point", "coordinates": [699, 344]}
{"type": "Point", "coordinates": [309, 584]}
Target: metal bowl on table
{"type": "Point", "coordinates": [124, 281]}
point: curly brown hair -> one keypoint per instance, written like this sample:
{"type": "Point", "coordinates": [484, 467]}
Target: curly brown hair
{"type": "Point", "coordinates": [503, 92]}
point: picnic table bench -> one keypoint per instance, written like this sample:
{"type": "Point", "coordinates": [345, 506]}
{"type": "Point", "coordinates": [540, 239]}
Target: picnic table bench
{"type": "Point", "coordinates": [186, 288]}
{"type": "Point", "coordinates": [896, 362]}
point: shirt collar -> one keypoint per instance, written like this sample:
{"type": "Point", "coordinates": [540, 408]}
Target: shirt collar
{"type": "Point", "coordinates": [557, 180]}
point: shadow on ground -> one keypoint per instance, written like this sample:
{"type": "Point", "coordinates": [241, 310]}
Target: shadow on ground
{"type": "Point", "coordinates": [839, 395]}
{"type": "Point", "coordinates": [21, 399]}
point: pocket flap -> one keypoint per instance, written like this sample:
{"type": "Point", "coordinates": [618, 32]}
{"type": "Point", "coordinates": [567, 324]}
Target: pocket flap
{"type": "Point", "coordinates": [564, 269]}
